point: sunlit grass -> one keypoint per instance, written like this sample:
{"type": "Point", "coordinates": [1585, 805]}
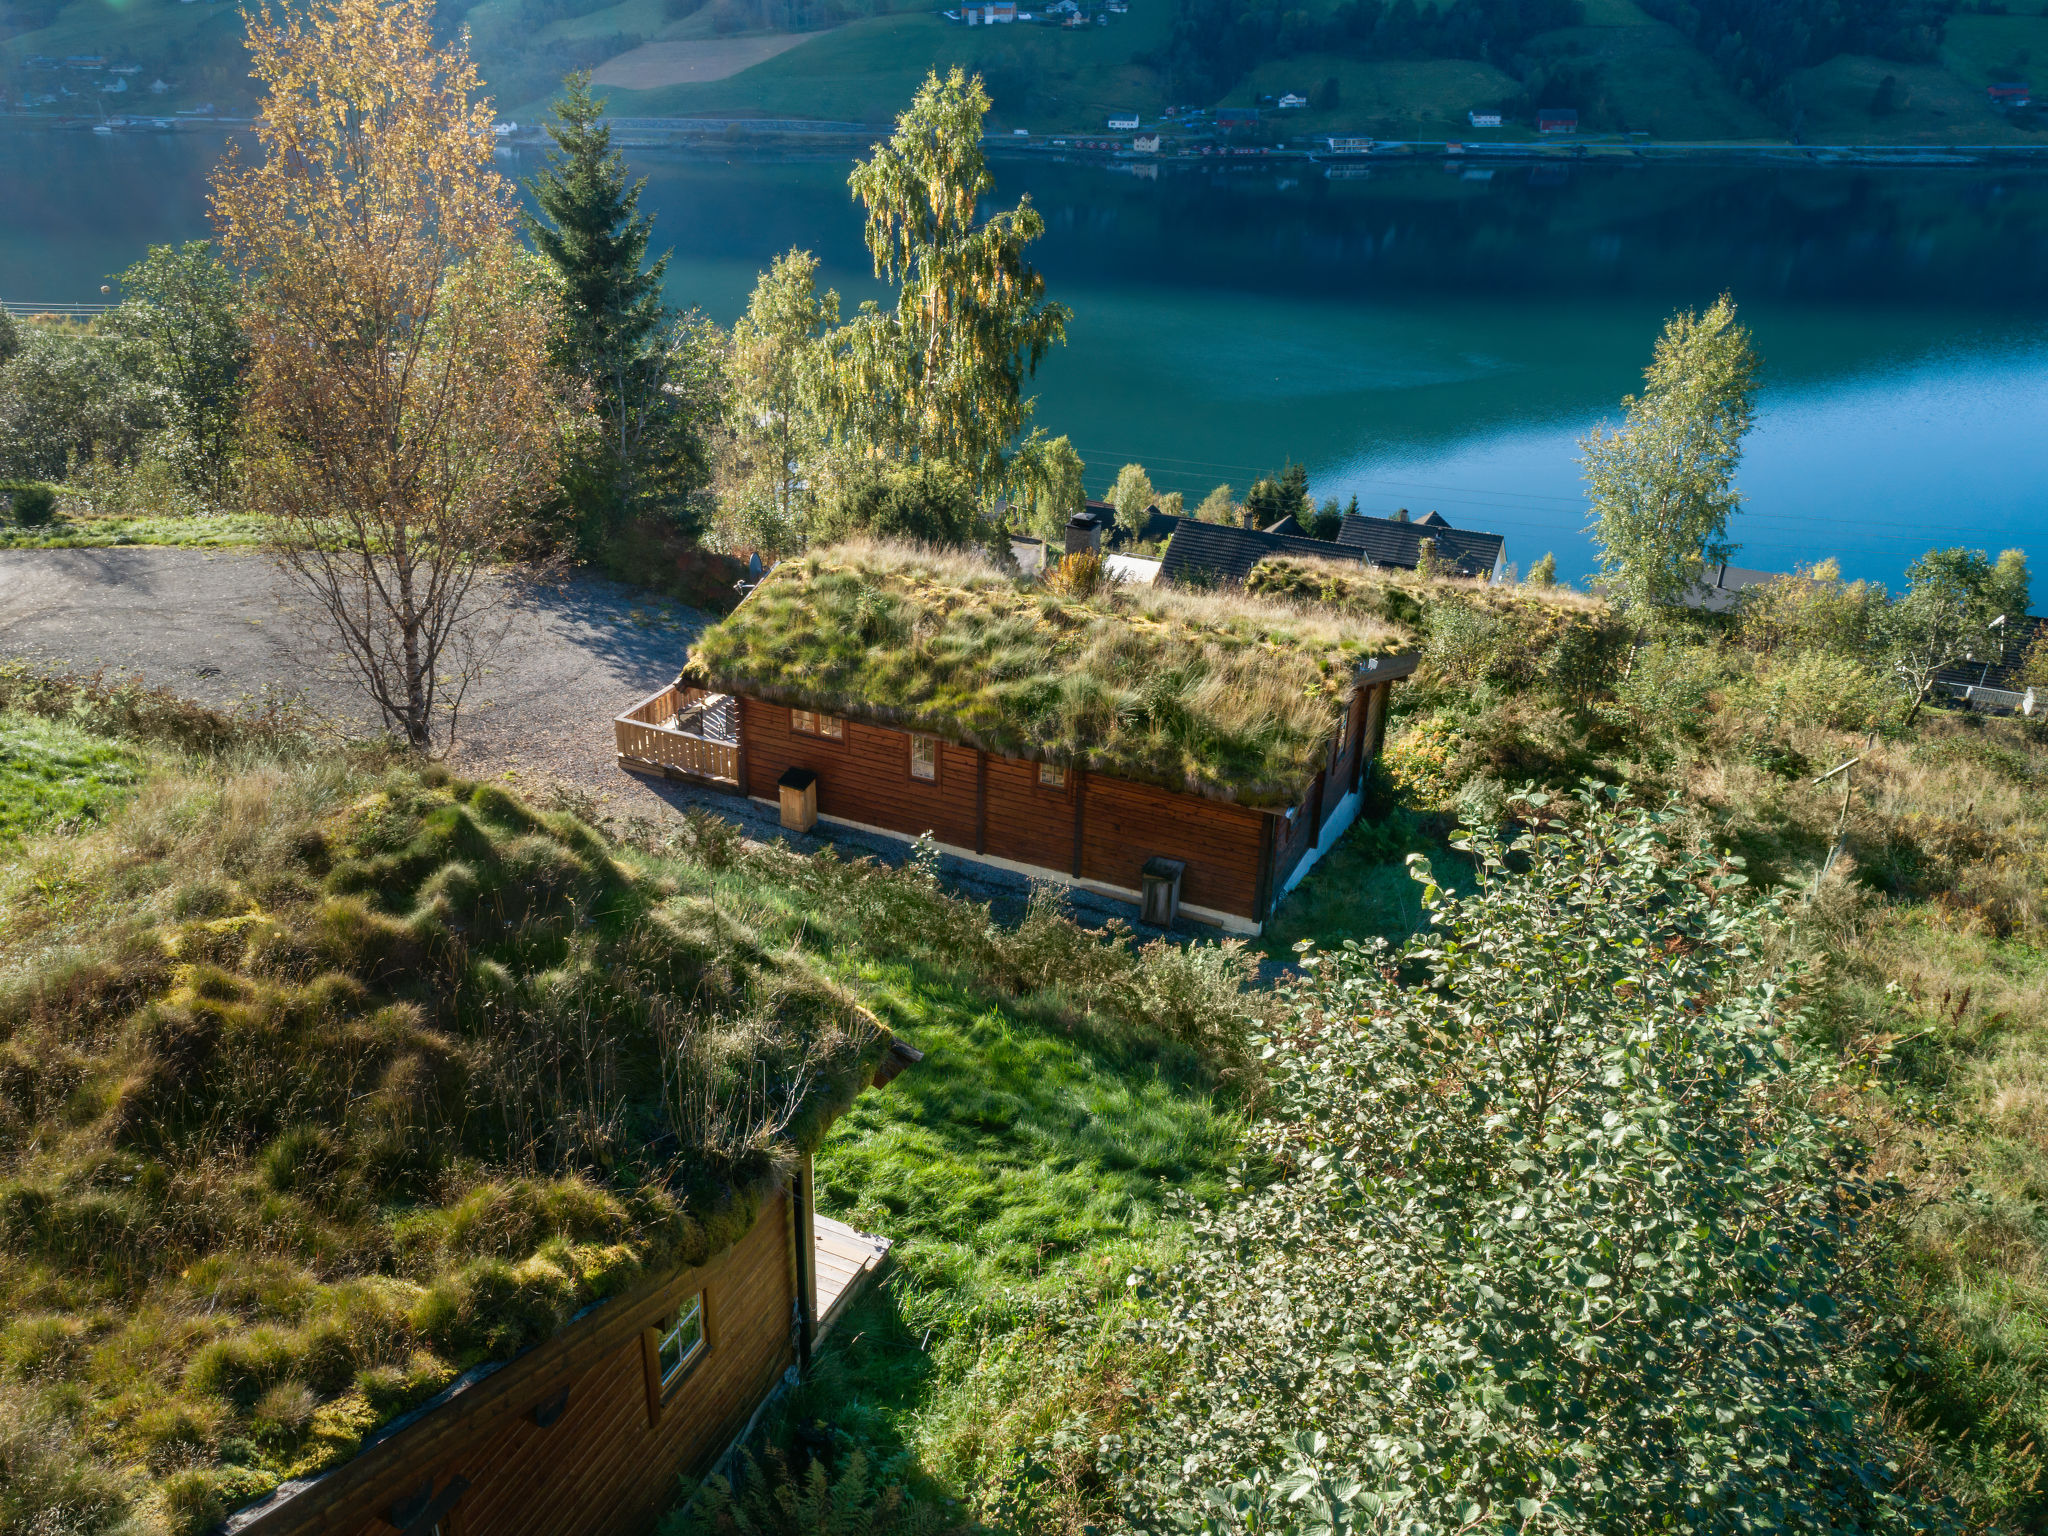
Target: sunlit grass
{"type": "Point", "coordinates": [54, 775]}
{"type": "Point", "coordinates": [211, 530]}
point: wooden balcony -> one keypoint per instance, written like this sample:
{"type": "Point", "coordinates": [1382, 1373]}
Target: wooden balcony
{"type": "Point", "coordinates": [682, 733]}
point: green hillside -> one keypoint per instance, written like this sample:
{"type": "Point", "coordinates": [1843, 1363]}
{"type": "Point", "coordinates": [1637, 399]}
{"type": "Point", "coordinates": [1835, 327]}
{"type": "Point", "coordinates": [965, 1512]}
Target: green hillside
{"type": "Point", "coordinates": [1625, 70]}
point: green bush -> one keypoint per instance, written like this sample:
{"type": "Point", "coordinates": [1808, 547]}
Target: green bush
{"type": "Point", "coordinates": [1559, 1241]}
{"type": "Point", "coordinates": [924, 502]}
{"type": "Point", "coordinates": [32, 503]}
{"type": "Point", "coordinates": [771, 1499]}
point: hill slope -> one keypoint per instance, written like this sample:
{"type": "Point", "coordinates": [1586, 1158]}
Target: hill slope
{"type": "Point", "coordinates": [1624, 69]}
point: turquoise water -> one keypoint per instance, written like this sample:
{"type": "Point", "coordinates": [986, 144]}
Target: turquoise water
{"type": "Point", "coordinates": [1418, 337]}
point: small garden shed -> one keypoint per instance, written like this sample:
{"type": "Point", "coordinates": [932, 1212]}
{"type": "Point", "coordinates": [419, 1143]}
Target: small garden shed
{"type": "Point", "coordinates": [1191, 752]}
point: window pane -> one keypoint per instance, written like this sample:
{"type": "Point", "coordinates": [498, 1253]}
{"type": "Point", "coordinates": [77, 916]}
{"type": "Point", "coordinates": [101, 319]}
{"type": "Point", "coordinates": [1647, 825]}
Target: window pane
{"type": "Point", "coordinates": [924, 757]}
{"type": "Point", "coordinates": [831, 725]}
{"type": "Point", "coordinates": [1052, 775]}
{"type": "Point", "coordinates": [804, 722]}
{"type": "Point", "coordinates": [681, 1340]}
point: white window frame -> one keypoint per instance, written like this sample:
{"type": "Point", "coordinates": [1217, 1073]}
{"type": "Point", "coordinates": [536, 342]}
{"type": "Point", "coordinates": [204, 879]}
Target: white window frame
{"type": "Point", "coordinates": [924, 758]}
{"type": "Point", "coordinates": [688, 1317]}
{"type": "Point", "coordinates": [1052, 775]}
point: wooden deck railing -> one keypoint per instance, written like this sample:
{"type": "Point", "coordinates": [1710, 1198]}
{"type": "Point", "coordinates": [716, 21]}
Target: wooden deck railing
{"type": "Point", "coordinates": [666, 733]}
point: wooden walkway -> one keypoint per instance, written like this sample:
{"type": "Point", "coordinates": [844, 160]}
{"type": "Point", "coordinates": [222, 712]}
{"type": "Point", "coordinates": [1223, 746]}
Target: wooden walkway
{"type": "Point", "coordinates": [846, 1259]}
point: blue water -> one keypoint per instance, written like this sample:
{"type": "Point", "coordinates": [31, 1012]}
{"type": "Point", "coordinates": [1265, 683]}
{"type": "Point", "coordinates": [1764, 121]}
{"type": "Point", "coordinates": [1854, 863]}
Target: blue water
{"type": "Point", "coordinates": [1415, 338]}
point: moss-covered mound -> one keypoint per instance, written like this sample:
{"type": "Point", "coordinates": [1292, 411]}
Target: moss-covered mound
{"type": "Point", "coordinates": [1226, 696]}
{"type": "Point", "coordinates": [317, 1089]}
{"type": "Point", "coordinates": [1517, 637]}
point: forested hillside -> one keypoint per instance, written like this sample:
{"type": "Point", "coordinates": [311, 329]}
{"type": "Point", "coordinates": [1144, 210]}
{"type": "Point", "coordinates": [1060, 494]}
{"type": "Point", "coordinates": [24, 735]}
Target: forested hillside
{"type": "Point", "coordinates": [1695, 69]}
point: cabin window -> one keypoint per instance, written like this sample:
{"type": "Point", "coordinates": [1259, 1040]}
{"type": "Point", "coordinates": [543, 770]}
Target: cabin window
{"type": "Point", "coordinates": [1052, 775]}
{"type": "Point", "coordinates": [924, 757]}
{"type": "Point", "coordinates": [1343, 737]}
{"type": "Point", "coordinates": [682, 1340]}
{"type": "Point", "coordinates": [808, 722]}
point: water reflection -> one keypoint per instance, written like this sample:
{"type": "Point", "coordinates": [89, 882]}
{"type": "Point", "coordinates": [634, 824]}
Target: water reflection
{"type": "Point", "coordinates": [1424, 335]}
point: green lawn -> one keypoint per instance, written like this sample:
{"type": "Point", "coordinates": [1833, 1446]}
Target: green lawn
{"type": "Point", "coordinates": [55, 775]}
{"type": "Point", "coordinates": [206, 531]}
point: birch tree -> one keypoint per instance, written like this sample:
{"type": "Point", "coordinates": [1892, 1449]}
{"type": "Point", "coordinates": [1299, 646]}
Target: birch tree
{"type": "Point", "coordinates": [942, 374]}
{"type": "Point", "coordinates": [1662, 484]}
{"type": "Point", "coordinates": [399, 398]}
{"type": "Point", "coordinates": [775, 367]}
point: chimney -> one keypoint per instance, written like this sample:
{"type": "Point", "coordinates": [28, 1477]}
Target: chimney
{"type": "Point", "coordinates": [1084, 534]}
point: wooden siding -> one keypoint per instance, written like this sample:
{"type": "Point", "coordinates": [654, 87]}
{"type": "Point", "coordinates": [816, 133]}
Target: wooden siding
{"type": "Point", "coordinates": [1129, 823]}
{"type": "Point", "coordinates": [1027, 822]}
{"type": "Point", "coordinates": [996, 806]}
{"type": "Point", "coordinates": [600, 1469]}
{"type": "Point", "coordinates": [865, 776]}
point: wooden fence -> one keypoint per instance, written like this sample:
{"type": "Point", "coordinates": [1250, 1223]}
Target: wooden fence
{"type": "Point", "coordinates": [667, 733]}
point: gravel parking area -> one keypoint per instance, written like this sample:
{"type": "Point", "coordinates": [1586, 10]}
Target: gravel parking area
{"type": "Point", "coordinates": [224, 627]}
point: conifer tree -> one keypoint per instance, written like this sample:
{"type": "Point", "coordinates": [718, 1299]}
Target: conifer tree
{"type": "Point", "coordinates": [616, 333]}
{"type": "Point", "coordinates": [595, 237]}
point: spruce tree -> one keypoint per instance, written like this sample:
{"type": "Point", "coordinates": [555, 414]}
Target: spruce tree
{"type": "Point", "coordinates": [595, 237]}
{"type": "Point", "coordinates": [616, 333]}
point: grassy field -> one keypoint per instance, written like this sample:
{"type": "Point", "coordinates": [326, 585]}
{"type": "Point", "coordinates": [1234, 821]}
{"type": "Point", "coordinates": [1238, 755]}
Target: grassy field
{"type": "Point", "coordinates": [217, 530]}
{"type": "Point", "coordinates": [866, 71]}
{"type": "Point", "coordinates": [54, 775]}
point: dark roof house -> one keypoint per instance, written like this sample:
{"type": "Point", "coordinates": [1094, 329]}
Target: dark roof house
{"type": "Point", "coordinates": [1383, 541]}
{"type": "Point", "coordinates": [1723, 583]}
{"type": "Point", "coordinates": [1221, 554]}
{"type": "Point", "coordinates": [1209, 553]}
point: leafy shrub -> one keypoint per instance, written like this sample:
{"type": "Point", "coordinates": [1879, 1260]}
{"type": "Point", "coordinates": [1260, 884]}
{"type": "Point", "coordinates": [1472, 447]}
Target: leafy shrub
{"type": "Point", "coordinates": [925, 502]}
{"type": "Point", "coordinates": [32, 503]}
{"type": "Point", "coordinates": [1559, 1243]}
{"type": "Point", "coordinates": [1815, 688]}
{"type": "Point", "coordinates": [1669, 688]}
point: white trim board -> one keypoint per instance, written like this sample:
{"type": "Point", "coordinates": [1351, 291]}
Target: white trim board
{"type": "Point", "coordinates": [1229, 922]}
{"type": "Point", "coordinates": [1338, 824]}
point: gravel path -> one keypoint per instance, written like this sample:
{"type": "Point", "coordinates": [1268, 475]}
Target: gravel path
{"type": "Point", "coordinates": [223, 627]}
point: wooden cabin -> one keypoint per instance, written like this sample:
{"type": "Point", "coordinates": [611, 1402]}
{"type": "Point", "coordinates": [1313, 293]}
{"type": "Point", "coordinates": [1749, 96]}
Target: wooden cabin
{"type": "Point", "coordinates": [586, 1433]}
{"type": "Point", "coordinates": [1107, 809]}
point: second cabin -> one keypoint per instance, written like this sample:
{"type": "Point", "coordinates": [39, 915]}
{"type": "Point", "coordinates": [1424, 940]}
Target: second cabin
{"type": "Point", "coordinates": [1193, 753]}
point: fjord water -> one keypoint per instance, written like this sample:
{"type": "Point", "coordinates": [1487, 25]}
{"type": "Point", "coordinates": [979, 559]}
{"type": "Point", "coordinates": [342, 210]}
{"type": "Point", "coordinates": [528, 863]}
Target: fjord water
{"type": "Point", "coordinates": [1421, 336]}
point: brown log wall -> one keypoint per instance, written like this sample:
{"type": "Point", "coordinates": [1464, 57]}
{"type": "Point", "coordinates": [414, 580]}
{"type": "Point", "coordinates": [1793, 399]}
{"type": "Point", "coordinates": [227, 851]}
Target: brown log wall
{"type": "Point", "coordinates": [600, 1469]}
{"type": "Point", "coordinates": [1126, 824]}
{"type": "Point", "coordinates": [999, 808]}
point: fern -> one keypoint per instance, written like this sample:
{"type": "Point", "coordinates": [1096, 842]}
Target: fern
{"type": "Point", "coordinates": [772, 1500]}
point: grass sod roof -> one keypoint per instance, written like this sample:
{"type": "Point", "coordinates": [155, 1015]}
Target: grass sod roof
{"type": "Point", "coordinates": [315, 1091]}
{"type": "Point", "coordinates": [1232, 697]}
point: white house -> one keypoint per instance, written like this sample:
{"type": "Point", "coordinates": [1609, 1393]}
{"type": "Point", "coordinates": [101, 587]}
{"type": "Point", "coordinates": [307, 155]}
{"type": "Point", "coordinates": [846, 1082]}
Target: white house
{"type": "Point", "coordinates": [1484, 119]}
{"type": "Point", "coordinates": [1292, 100]}
{"type": "Point", "coordinates": [1124, 120]}
{"type": "Point", "coordinates": [1146, 143]}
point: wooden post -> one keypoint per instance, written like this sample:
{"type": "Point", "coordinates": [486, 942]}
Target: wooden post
{"type": "Point", "coordinates": [803, 1198]}
{"type": "Point", "coordinates": [980, 801]}
{"type": "Point", "coordinates": [1080, 815]}
{"type": "Point", "coordinates": [1263, 902]}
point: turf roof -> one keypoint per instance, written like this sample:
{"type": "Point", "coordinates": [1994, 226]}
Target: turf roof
{"type": "Point", "coordinates": [1231, 697]}
{"type": "Point", "coordinates": [330, 1089]}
